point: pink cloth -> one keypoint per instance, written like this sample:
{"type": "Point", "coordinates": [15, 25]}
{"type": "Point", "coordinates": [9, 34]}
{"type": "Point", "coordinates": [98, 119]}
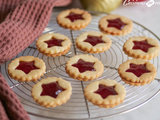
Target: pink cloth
{"type": "Point", "coordinates": [24, 21]}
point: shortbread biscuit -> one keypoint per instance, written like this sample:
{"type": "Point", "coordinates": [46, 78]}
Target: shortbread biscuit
{"type": "Point", "coordinates": [141, 47]}
{"type": "Point", "coordinates": [115, 25]}
{"type": "Point", "coordinates": [137, 72]}
{"type": "Point", "coordinates": [93, 42]}
{"type": "Point", "coordinates": [53, 44]}
{"type": "Point", "coordinates": [26, 68]}
{"type": "Point", "coordinates": [105, 93]}
{"type": "Point", "coordinates": [74, 19]}
{"type": "Point", "coordinates": [51, 92]}
{"type": "Point", "coordinates": [84, 67]}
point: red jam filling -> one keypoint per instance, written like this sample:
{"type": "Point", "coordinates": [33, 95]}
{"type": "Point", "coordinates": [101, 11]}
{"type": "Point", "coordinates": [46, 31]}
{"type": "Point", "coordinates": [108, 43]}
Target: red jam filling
{"type": "Point", "coordinates": [143, 45]}
{"type": "Point", "coordinates": [84, 66]}
{"type": "Point", "coordinates": [138, 70]}
{"type": "Point", "coordinates": [94, 40]}
{"type": "Point", "coordinates": [54, 42]}
{"type": "Point", "coordinates": [105, 91]}
{"type": "Point", "coordinates": [117, 23]}
{"type": "Point", "coordinates": [26, 67]}
{"type": "Point", "coordinates": [51, 89]}
{"type": "Point", "coordinates": [73, 17]}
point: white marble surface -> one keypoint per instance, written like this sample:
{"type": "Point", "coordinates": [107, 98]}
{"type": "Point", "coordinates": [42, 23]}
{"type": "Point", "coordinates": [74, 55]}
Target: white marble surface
{"type": "Point", "coordinates": [150, 18]}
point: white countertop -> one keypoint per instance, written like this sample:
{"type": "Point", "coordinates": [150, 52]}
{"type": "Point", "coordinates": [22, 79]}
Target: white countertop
{"type": "Point", "coordinates": [150, 18]}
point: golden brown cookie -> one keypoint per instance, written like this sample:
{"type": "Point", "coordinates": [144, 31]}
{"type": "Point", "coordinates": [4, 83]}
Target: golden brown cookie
{"type": "Point", "coordinates": [137, 72]}
{"type": "Point", "coordinates": [115, 25]}
{"type": "Point", "coordinates": [53, 44]}
{"type": "Point", "coordinates": [93, 42]}
{"type": "Point", "coordinates": [105, 93]}
{"type": "Point", "coordinates": [26, 68]}
{"type": "Point", "coordinates": [51, 92]}
{"type": "Point", "coordinates": [84, 67]}
{"type": "Point", "coordinates": [141, 47]}
{"type": "Point", "coordinates": [74, 19]}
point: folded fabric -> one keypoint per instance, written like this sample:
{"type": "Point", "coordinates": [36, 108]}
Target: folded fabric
{"type": "Point", "coordinates": [25, 22]}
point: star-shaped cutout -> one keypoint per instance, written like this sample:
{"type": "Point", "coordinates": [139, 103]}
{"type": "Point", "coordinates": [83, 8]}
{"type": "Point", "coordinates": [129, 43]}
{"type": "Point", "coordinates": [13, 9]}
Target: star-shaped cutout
{"type": "Point", "coordinates": [105, 91]}
{"type": "Point", "coordinates": [54, 42]}
{"type": "Point", "coordinates": [138, 70]}
{"type": "Point", "coordinates": [51, 89]}
{"type": "Point", "coordinates": [94, 40]}
{"type": "Point", "coordinates": [142, 45]}
{"type": "Point", "coordinates": [73, 17]}
{"type": "Point", "coordinates": [84, 66]}
{"type": "Point", "coordinates": [26, 67]}
{"type": "Point", "coordinates": [117, 23]}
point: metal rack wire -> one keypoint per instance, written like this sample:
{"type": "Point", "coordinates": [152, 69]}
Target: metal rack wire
{"type": "Point", "coordinates": [78, 108]}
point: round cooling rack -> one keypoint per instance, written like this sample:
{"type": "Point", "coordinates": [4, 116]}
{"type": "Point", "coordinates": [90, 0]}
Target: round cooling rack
{"type": "Point", "coordinates": [78, 108]}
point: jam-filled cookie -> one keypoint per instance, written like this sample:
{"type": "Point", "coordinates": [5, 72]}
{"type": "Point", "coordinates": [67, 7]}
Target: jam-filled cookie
{"type": "Point", "coordinates": [53, 44]}
{"type": "Point", "coordinates": [74, 19]}
{"type": "Point", "coordinates": [141, 47]}
{"type": "Point", "coordinates": [105, 93]}
{"type": "Point", "coordinates": [93, 42]}
{"type": "Point", "coordinates": [137, 72]}
{"type": "Point", "coordinates": [84, 67]}
{"type": "Point", "coordinates": [26, 68]}
{"type": "Point", "coordinates": [51, 92]}
{"type": "Point", "coordinates": [115, 25]}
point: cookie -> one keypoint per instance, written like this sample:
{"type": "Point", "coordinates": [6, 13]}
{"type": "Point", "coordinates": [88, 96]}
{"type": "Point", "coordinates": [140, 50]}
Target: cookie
{"type": "Point", "coordinates": [141, 47]}
{"type": "Point", "coordinates": [26, 68]}
{"type": "Point", "coordinates": [74, 19]}
{"type": "Point", "coordinates": [105, 93]}
{"type": "Point", "coordinates": [93, 42]}
{"type": "Point", "coordinates": [137, 72]}
{"type": "Point", "coordinates": [53, 44]}
{"type": "Point", "coordinates": [51, 92]}
{"type": "Point", "coordinates": [115, 25]}
{"type": "Point", "coordinates": [84, 67]}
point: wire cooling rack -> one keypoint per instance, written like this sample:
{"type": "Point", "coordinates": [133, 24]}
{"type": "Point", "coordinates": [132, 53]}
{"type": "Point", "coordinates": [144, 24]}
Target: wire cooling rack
{"type": "Point", "coordinates": [78, 108]}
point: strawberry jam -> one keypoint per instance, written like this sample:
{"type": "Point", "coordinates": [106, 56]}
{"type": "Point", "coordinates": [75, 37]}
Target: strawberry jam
{"type": "Point", "coordinates": [26, 67]}
{"type": "Point", "coordinates": [51, 89]}
{"type": "Point", "coordinates": [142, 45]}
{"type": "Point", "coordinates": [73, 17]}
{"type": "Point", "coordinates": [117, 23]}
{"type": "Point", "coordinates": [138, 70]}
{"type": "Point", "coordinates": [94, 40]}
{"type": "Point", "coordinates": [84, 66]}
{"type": "Point", "coordinates": [54, 42]}
{"type": "Point", "coordinates": [105, 91]}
